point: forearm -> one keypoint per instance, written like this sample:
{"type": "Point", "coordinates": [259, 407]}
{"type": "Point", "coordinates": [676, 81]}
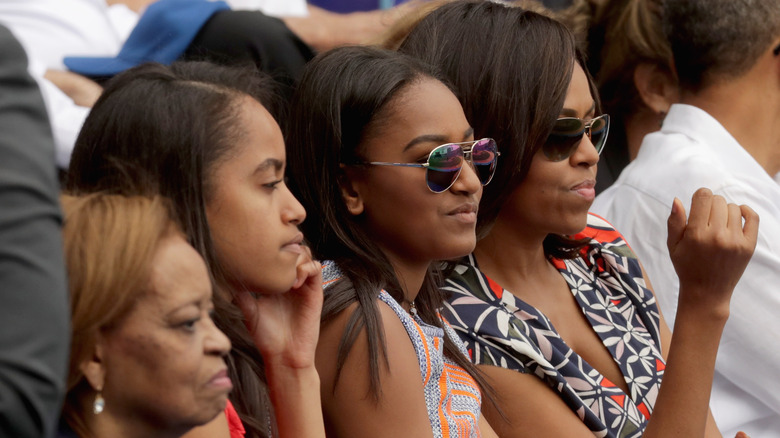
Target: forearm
{"type": "Point", "coordinates": [681, 409]}
{"type": "Point", "coordinates": [295, 395]}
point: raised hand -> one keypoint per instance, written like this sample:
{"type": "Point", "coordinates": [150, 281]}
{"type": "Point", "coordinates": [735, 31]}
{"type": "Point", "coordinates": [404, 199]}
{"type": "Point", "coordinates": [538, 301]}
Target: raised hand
{"type": "Point", "coordinates": [285, 327]}
{"type": "Point", "coordinates": [711, 251]}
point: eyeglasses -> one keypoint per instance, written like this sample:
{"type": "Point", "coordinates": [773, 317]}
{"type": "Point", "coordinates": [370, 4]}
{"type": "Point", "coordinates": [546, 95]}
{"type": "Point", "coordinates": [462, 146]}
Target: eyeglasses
{"type": "Point", "coordinates": [567, 134]}
{"type": "Point", "coordinates": [446, 161]}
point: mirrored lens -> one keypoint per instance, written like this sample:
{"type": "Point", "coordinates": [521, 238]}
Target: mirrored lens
{"type": "Point", "coordinates": [484, 155]}
{"type": "Point", "coordinates": [444, 165]}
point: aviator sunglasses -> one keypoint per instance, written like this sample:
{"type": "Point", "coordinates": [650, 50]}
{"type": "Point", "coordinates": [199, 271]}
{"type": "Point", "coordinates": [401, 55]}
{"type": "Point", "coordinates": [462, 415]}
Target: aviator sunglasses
{"type": "Point", "coordinates": [445, 162]}
{"type": "Point", "coordinates": [567, 134]}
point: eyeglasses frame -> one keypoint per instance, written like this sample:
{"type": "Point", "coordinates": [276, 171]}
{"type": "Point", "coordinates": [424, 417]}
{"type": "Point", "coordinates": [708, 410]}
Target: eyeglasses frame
{"type": "Point", "coordinates": [586, 131]}
{"type": "Point", "coordinates": [466, 157]}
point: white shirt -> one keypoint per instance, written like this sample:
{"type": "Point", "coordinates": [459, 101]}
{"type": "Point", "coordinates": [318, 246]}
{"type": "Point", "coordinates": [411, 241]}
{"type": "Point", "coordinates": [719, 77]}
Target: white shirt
{"type": "Point", "coordinates": [694, 150]}
{"type": "Point", "coordinates": [50, 30]}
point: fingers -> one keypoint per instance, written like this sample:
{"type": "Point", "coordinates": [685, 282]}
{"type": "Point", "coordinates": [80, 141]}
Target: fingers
{"type": "Point", "coordinates": [307, 268]}
{"type": "Point", "coordinates": [701, 206]}
{"type": "Point", "coordinates": [675, 224]}
{"type": "Point", "coordinates": [719, 213]}
{"type": "Point", "coordinates": [750, 228]}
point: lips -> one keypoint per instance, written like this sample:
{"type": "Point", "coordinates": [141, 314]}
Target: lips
{"type": "Point", "coordinates": [294, 245]}
{"type": "Point", "coordinates": [465, 212]}
{"type": "Point", "coordinates": [221, 380]}
{"type": "Point", "coordinates": [586, 189]}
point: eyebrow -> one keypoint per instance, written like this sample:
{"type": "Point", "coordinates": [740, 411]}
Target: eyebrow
{"type": "Point", "coordinates": [568, 112]}
{"type": "Point", "coordinates": [271, 163]}
{"type": "Point", "coordinates": [433, 138]}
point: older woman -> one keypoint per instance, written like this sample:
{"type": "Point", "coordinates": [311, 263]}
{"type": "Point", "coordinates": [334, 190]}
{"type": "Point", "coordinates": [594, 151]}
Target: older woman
{"type": "Point", "coordinates": [146, 358]}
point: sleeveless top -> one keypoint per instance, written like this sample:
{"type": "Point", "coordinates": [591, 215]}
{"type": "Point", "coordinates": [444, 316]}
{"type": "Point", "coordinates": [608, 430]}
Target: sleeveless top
{"type": "Point", "coordinates": [452, 396]}
{"type": "Point", "coordinates": [500, 329]}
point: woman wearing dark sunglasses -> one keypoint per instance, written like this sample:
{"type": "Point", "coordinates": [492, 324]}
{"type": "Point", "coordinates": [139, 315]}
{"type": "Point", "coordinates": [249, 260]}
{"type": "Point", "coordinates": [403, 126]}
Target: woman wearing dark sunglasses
{"type": "Point", "coordinates": [387, 167]}
{"type": "Point", "coordinates": [553, 304]}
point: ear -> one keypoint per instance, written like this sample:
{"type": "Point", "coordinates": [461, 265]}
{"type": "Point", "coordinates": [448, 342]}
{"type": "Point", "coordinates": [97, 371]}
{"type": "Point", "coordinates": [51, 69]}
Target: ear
{"type": "Point", "coordinates": [656, 86]}
{"type": "Point", "coordinates": [94, 369]}
{"type": "Point", "coordinates": [349, 191]}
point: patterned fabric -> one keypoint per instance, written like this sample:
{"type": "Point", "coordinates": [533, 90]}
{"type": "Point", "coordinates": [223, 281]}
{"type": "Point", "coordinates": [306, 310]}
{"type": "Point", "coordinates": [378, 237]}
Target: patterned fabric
{"type": "Point", "coordinates": [451, 394]}
{"type": "Point", "coordinates": [500, 329]}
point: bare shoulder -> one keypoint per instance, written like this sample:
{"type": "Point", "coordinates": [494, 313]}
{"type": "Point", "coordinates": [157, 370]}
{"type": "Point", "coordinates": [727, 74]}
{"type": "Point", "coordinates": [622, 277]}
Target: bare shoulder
{"type": "Point", "coordinates": [349, 407]}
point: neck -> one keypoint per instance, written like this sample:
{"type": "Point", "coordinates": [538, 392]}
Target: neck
{"type": "Point", "coordinates": [410, 275]}
{"type": "Point", "coordinates": [750, 113]}
{"type": "Point", "coordinates": [643, 122]}
{"type": "Point", "coordinates": [107, 425]}
{"type": "Point", "coordinates": [510, 255]}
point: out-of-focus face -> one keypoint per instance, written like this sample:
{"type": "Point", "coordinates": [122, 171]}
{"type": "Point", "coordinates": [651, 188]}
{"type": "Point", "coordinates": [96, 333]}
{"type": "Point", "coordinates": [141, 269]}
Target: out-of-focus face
{"type": "Point", "coordinates": [555, 196]}
{"type": "Point", "coordinates": [163, 363]}
{"type": "Point", "coordinates": [409, 221]}
{"type": "Point", "coordinates": [253, 217]}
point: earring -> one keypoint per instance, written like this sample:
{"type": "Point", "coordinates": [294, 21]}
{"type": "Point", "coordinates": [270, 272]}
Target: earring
{"type": "Point", "coordinates": [99, 404]}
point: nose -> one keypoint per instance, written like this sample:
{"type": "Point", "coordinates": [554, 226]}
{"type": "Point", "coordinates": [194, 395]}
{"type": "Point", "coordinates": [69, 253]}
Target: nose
{"type": "Point", "coordinates": [292, 210]}
{"type": "Point", "coordinates": [585, 154]}
{"type": "Point", "coordinates": [468, 181]}
{"type": "Point", "coordinates": [216, 342]}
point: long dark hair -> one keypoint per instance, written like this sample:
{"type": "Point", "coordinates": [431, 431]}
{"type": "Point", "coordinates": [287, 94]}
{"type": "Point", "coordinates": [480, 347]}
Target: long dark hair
{"type": "Point", "coordinates": [511, 70]}
{"type": "Point", "coordinates": [158, 129]}
{"type": "Point", "coordinates": [337, 106]}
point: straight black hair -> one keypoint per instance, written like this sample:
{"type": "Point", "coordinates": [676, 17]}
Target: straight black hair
{"type": "Point", "coordinates": [162, 130]}
{"type": "Point", "coordinates": [339, 103]}
{"type": "Point", "coordinates": [511, 69]}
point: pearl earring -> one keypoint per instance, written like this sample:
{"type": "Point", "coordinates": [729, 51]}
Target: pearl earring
{"type": "Point", "coordinates": [99, 404]}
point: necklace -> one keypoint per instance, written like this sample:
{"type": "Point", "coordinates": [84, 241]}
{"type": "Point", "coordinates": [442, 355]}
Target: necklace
{"type": "Point", "coordinates": [412, 308]}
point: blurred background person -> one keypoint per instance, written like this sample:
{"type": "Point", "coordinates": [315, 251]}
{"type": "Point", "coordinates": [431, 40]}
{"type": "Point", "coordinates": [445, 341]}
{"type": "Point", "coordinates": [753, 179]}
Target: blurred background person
{"type": "Point", "coordinates": [723, 135]}
{"type": "Point", "coordinates": [33, 289]}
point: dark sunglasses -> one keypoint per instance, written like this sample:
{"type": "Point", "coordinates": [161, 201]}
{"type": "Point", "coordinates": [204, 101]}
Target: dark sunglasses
{"type": "Point", "coordinates": [567, 134]}
{"type": "Point", "coordinates": [446, 161]}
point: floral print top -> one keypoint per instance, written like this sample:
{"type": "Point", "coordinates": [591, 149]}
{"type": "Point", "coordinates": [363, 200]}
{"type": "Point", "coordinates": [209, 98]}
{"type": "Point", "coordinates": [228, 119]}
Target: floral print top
{"type": "Point", "coordinates": [499, 329]}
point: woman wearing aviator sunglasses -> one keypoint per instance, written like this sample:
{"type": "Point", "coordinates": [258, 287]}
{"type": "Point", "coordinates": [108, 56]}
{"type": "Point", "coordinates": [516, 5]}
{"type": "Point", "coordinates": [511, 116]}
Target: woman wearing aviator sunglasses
{"type": "Point", "coordinates": [553, 304]}
{"type": "Point", "coordinates": [384, 161]}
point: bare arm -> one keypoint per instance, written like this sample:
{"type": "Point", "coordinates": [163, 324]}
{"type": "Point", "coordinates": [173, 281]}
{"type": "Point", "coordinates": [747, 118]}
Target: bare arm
{"type": "Point", "coordinates": [83, 91]}
{"type": "Point", "coordinates": [709, 253]}
{"type": "Point", "coordinates": [285, 329]}
{"type": "Point", "coordinates": [349, 409]}
{"type": "Point", "coordinates": [323, 30]}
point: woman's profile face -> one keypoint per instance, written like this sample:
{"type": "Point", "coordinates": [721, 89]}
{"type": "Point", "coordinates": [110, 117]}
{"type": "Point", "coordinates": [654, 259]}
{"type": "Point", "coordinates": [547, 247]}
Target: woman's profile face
{"type": "Point", "coordinates": [409, 221]}
{"type": "Point", "coordinates": [555, 196]}
{"type": "Point", "coordinates": [163, 363]}
{"type": "Point", "coordinates": [253, 218]}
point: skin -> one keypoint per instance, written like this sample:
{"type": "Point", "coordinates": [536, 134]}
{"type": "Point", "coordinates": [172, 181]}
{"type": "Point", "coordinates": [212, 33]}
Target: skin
{"type": "Point", "coordinates": [427, 114]}
{"type": "Point", "coordinates": [554, 198]}
{"type": "Point", "coordinates": [252, 215]}
{"type": "Point", "coordinates": [253, 220]}
{"type": "Point", "coordinates": [168, 334]}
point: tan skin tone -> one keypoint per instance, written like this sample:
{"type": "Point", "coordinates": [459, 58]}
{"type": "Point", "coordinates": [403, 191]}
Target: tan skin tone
{"type": "Point", "coordinates": [168, 334]}
{"type": "Point", "coordinates": [421, 117]}
{"type": "Point", "coordinates": [253, 219]}
{"type": "Point", "coordinates": [517, 262]}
